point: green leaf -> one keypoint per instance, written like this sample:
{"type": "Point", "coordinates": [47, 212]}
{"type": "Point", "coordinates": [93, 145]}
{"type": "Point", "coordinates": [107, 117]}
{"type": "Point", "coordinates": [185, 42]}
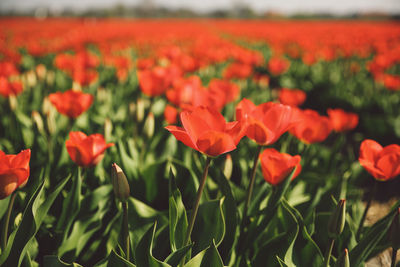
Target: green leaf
{"type": "Point", "coordinates": [206, 258]}
{"type": "Point", "coordinates": [371, 239]}
{"type": "Point", "coordinates": [94, 207]}
{"type": "Point", "coordinates": [71, 206]}
{"type": "Point", "coordinates": [4, 206]}
{"type": "Point", "coordinates": [54, 261]}
{"type": "Point", "coordinates": [177, 216]}
{"type": "Point", "coordinates": [230, 210]}
{"type": "Point", "coordinates": [175, 257]}
{"type": "Point", "coordinates": [144, 257]}
{"type": "Point", "coordinates": [281, 244]}
{"type": "Point", "coordinates": [141, 216]}
{"type": "Point", "coordinates": [209, 225]}
{"type": "Point", "coordinates": [33, 216]}
{"type": "Point", "coordinates": [115, 260]}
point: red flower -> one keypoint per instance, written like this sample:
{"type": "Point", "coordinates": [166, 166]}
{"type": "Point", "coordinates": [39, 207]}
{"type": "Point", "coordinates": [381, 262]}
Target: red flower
{"type": "Point", "coordinates": [341, 120]}
{"type": "Point", "coordinates": [237, 71]}
{"type": "Point", "coordinates": [381, 162]}
{"type": "Point", "coordinates": [312, 128]}
{"type": "Point", "coordinates": [14, 171]}
{"type": "Point", "coordinates": [86, 151]}
{"type": "Point", "coordinates": [154, 82]}
{"type": "Point", "coordinates": [277, 166]}
{"type": "Point", "coordinates": [227, 90]}
{"type": "Point", "coordinates": [170, 114]}
{"type": "Point", "coordinates": [8, 88]}
{"type": "Point", "coordinates": [71, 103]}
{"type": "Point", "coordinates": [278, 65]}
{"type": "Point", "coordinates": [292, 97]}
{"type": "Point", "coordinates": [265, 123]}
{"type": "Point", "coordinates": [205, 130]}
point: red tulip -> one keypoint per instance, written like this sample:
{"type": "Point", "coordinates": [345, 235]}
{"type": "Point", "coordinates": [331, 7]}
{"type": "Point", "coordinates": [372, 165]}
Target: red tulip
{"type": "Point", "coordinates": [237, 71]}
{"type": "Point", "coordinates": [71, 103]}
{"type": "Point", "coordinates": [227, 90]}
{"type": "Point", "coordinates": [278, 65]}
{"type": "Point", "coordinates": [383, 163]}
{"type": "Point", "coordinates": [170, 114]}
{"type": "Point", "coordinates": [277, 166]}
{"type": "Point", "coordinates": [292, 97]}
{"type": "Point", "coordinates": [205, 130]}
{"type": "Point", "coordinates": [267, 122]}
{"type": "Point", "coordinates": [312, 128]}
{"type": "Point", "coordinates": [14, 171]}
{"type": "Point", "coordinates": [8, 88]}
{"type": "Point", "coordinates": [341, 120]}
{"type": "Point", "coordinates": [86, 151]}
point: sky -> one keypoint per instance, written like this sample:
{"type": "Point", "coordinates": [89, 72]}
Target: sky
{"type": "Point", "coordinates": [283, 6]}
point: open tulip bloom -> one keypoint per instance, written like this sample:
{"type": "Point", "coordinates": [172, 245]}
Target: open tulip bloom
{"type": "Point", "coordinates": [86, 151]}
{"type": "Point", "coordinates": [205, 130]}
{"type": "Point", "coordinates": [265, 123]}
{"type": "Point", "coordinates": [71, 103]}
{"type": "Point", "coordinates": [383, 163]}
{"type": "Point", "coordinates": [277, 166]}
{"type": "Point", "coordinates": [14, 171]}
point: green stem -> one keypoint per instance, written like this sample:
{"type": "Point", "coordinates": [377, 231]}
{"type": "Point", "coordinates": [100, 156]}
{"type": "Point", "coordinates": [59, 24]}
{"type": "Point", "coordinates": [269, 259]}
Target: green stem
{"type": "Point", "coordinates": [394, 255]}
{"type": "Point", "coordinates": [328, 253]}
{"type": "Point", "coordinates": [197, 202]}
{"type": "Point", "coordinates": [251, 185]}
{"type": "Point", "coordinates": [360, 226]}
{"type": "Point", "coordinates": [4, 236]}
{"type": "Point", "coordinates": [125, 229]}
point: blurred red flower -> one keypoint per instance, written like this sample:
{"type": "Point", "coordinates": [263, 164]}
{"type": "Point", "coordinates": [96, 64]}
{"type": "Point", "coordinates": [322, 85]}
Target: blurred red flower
{"type": "Point", "coordinates": [265, 123]}
{"type": "Point", "coordinates": [8, 88]}
{"type": "Point", "coordinates": [170, 114]}
{"type": "Point", "coordinates": [71, 103]}
{"type": "Point", "coordinates": [312, 128]}
{"type": "Point", "coordinates": [292, 97]}
{"type": "Point", "coordinates": [341, 120]}
{"type": "Point", "coordinates": [14, 171]}
{"type": "Point", "coordinates": [154, 82]}
{"type": "Point", "coordinates": [277, 65]}
{"type": "Point", "coordinates": [277, 166]}
{"type": "Point", "coordinates": [205, 130]}
{"type": "Point", "coordinates": [86, 151]}
{"type": "Point", "coordinates": [383, 163]}
{"type": "Point", "coordinates": [237, 71]}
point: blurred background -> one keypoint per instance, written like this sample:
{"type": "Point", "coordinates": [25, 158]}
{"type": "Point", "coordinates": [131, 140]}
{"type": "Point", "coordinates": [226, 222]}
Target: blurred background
{"type": "Point", "coordinates": [372, 9]}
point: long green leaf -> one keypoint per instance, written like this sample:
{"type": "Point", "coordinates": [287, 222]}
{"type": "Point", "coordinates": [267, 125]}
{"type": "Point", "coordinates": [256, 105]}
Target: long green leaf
{"type": "Point", "coordinates": [33, 216]}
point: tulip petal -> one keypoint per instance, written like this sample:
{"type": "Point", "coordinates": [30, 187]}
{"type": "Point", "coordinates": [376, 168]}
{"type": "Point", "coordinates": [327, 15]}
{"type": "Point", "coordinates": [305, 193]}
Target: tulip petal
{"type": "Point", "coordinates": [256, 131]}
{"type": "Point", "coordinates": [370, 150]}
{"type": "Point", "coordinates": [194, 125]}
{"type": "Point", "coordinates": [181, 135]}
{"type": "Point", "coordinates": [214, 143]}
{"type": "Point", "coordinates": [244, 108]}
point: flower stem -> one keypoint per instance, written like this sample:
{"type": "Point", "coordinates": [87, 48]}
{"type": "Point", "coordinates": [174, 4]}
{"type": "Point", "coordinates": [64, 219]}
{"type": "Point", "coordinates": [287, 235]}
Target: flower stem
{"type": "Point", "coordinates": [251, 185]}
{"type": "Point", "coordinates": [197, 202]}
{"type": "Point", "coordinates": [4, 236]}
{"type": "Point", "coordinates": [125, 229]}
{"type": "Point", "coordinates": [328, 253]}
{"type": "Point", "coordinates": [394, 255]}
{"type": "Point", "coordinates": [360, 226]}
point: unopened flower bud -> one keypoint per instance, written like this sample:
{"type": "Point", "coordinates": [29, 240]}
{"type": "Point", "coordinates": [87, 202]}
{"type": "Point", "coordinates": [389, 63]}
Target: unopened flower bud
{"type": "Point", "coordinates": [108, 127]}
{"type": "Point", "coordinates": [149, 125]}
{"type": "Point", "coordinates": [120, 183]}
{"type": "Point", "coordinates": [38, 121]}
{"type": "Point", "coordinates": [343, 260]}
{"type": "Point", "coordinates": [394, 230]}
{"type": "Point", "coordinates": [140, 108]}
{"type": "Point", "coordinates": [228, 165]}
{"type": "Point", "coordinates": [337, 219]}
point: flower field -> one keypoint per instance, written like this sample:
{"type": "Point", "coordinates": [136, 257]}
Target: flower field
{"type": "Point", "coordinates": [198, 142]}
